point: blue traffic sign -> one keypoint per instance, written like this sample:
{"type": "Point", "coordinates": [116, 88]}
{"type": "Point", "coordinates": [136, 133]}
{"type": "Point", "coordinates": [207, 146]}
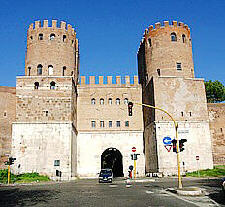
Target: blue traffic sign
{"type": "Point", "coordinates": [167, 140]}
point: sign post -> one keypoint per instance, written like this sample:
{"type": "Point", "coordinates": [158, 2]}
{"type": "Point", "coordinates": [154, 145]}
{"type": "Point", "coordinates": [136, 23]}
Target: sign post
{"type": "Point", "coordinates": [197, 159]}
{"type": "Point", "coordinates": [134, 150]}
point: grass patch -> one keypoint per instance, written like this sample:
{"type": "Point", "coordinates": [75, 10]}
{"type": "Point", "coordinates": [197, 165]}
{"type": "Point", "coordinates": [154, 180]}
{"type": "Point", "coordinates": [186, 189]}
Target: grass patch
{"type": "Point", "coordinates": [22, 178]}
{"type": "Point", "coordinates": [217, 171]}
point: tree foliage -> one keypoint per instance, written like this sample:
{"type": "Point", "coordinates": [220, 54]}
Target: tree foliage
{"type": "Point", "coordinates": [215, 91]}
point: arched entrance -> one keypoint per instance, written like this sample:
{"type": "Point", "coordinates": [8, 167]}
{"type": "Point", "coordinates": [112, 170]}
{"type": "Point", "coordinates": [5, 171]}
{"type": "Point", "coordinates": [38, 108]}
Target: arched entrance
{"type": "Point", "coordinates": [113, 159]}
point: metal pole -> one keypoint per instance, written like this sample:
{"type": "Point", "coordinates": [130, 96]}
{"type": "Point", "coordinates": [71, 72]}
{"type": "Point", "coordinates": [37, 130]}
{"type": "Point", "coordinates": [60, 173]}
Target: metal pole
{"type": "Point", "coordinates": [8, 174]}
{"type": "Point", "coordinates": [134, 169]}
{"type": "Point", "coordinates": [176, 129]}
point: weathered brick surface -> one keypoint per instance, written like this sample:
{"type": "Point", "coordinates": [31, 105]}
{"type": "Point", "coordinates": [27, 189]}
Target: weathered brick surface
{"type": "Point", "coordinates": [7, 116]}
{"type": "Point", "coordinates": [44, 104]}
{"type": "Point", "coordinates": [106, 112]}
{"type": "Point", "coordinates": [163, 53]}
{"type": "Point", "coordinates": [57, 52]}
{"type": "Point", "coordinates": [217, 130]}
{"type": "Point", "coordinates": [178, 93]}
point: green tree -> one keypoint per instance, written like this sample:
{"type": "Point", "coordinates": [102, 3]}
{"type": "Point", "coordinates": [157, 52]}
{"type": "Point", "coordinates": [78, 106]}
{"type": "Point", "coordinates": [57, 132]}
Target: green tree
{"type": "Point", "coordinates": [215, 91]}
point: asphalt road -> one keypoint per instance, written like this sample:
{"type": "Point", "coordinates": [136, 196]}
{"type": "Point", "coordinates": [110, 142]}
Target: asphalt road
{"type": "Point", "coordinates": [91, 193]}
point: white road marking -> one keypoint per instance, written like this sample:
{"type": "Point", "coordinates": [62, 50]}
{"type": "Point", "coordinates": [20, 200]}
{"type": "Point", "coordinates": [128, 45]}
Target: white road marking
{"type": "Point", "coordinates": [149, 192]}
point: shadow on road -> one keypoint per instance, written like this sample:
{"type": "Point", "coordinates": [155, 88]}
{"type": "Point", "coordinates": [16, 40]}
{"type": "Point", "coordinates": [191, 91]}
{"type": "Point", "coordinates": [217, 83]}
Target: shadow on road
{"type": "Point", "coordinates": [20, 197]}
{"type": "Point", "coordinates": [217, 194]}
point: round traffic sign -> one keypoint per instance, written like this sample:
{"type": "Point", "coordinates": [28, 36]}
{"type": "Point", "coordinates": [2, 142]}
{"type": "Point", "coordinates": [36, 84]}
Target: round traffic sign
{"type": "Point", "coordinates": [133, 149]}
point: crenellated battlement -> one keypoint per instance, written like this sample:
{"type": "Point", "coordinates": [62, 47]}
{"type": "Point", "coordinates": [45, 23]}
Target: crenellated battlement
{"type": "Point", "coordinates": [45, 24]}
{"type": "Point", "coordinates": [165, 25]}
{"type": "Point", "coordinates": [120, 81]}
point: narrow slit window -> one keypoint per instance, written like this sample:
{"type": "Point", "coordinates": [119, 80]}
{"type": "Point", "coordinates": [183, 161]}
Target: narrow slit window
{"type": "Point", "coordinates": [110, 101]}
{"type": "Point", "coordinates": [93, 124]}
{"type": "Point", "coordinates": [39, 69]}
{"type": "Point", "coordinates": [117, 123]}
{"type": "Point", "coordinates": [182, 113]}
{"type": "Point", "coordinates": [101, 101]}
{"type": "Point", "coordinates": [64, 38]}
{"type": "Point", "coordinates": [158, 72]}
{"type": "Point", "coordinates": [126, 101]}
{"type": "Point", "coordinates": [52, 85]}
{"type": "Point", "coordinates": [29, 70]}
{"type": "Point", "coordinates": [36, 85]}
{"type": "Point", "coordinates": [149, 42]}
{"type": "Point", "coordinates": [190, 113]}
{"type": "Point", "coordinates": [52, 36]}
{"type": "Point", "coordinates": [102, 124]}
{"type": "Point", "coordinates": [93, 101]}
{"type": "Point", "coordinates": [64, 71]}
{"type": "Point", "coordinates": [117, 101]}
{"type": "Point", "coordinates": [50, 70]}
{"type": "Point", "coordinates": [183, 38]}
{"type": "Point", "coordinates": [40, 36]}
{"type": "Point", "coordinates": [110, 124]}
{"type": "Point", "coordinates": [173, 37]}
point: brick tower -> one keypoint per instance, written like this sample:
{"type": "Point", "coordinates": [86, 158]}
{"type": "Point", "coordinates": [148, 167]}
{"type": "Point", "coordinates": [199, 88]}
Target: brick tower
{"type": "Point", "coordinates": [166, 72]}
{"type": "Point", "coordinates": [45, 128]}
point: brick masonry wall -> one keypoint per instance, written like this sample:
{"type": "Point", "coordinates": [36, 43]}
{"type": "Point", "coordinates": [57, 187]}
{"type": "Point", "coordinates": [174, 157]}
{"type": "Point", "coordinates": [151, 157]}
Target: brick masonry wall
{"type": "Point", "coordinates": [217, 130]}
{"type": "Point", "coordinates": [44, 104]}
{"type": "Point", "coordinates": [7, 116]}
{"type": "Point", "coordinates": [58, 52]}
{"type": "Point", "coordinates": [88, 112]}
{"type": "Point", "coordinates": [163, 54]}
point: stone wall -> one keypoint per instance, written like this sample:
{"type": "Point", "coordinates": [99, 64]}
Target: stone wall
{"type": "Point", "coordinates": [217, 130]}
{"type": "Point", "coordinates": [37, 145]}
{"type": "Point", "coordinates": [198, 144]}
{"type": "Point", "coordinates": [93, 144]}
{"type": "Point", "coordinates": [7, 116]}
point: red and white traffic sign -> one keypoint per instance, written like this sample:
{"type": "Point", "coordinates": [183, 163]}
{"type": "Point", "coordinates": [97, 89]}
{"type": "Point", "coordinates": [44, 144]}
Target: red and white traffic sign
{"type": "Point", "coordinates": [133, 149]}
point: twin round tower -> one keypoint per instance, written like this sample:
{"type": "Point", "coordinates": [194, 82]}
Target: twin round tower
{"type": "Point", "coordinates": [77, 126]}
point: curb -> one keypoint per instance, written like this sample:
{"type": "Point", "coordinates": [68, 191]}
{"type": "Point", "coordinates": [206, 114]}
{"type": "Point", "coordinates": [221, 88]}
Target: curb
{"type": "Point", "coordinates": [188, 191]}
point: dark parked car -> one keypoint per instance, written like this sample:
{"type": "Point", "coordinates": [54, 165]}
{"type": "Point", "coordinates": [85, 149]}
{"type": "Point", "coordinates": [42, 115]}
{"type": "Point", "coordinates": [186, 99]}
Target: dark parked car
{"type": "Point", "coordinates": [223, 185]}
{"type": "Point", "coordinates": [105, 176]}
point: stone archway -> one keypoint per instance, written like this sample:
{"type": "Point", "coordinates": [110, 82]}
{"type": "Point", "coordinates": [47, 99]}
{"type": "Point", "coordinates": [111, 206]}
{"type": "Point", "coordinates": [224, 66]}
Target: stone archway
{"type": "Point", "coordinates": [113, 159]}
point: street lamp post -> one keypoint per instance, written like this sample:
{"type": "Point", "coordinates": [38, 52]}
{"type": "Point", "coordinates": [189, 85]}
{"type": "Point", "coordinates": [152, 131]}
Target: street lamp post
{"type": "Point", "coordinates": [176, 130]}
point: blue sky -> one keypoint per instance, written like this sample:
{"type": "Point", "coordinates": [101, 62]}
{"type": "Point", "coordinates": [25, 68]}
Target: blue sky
{"type": "Point", "coordinates": [109, 32]}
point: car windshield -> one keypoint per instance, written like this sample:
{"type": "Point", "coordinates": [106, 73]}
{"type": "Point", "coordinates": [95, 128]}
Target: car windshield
{"type": "Point", "coordinates": [105, 172]}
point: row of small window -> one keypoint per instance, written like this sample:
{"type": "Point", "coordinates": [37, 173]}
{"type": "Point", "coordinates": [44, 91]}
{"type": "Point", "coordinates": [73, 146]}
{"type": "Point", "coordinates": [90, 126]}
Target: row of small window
{"type": "Point", "coordinates": [52, 85]}
{"type": "Point", "coordinates": [50, 70]}
{"type": "Point", "coordinates": [51, 37]}
{"type": "Point", "coordinates": [110, 124]}
{"type": "Point", "coordinates": [173, 37]}
{"type": "Point", "coordinates": [110, 102]}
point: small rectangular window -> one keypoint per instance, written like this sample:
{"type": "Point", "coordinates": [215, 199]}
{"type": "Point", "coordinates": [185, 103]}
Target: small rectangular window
{"type": "Point", "coordinates": [5, 114]}
{"type": "Point", "coordinates": [93, 124]}
{"type": "Point", "coordinates": [190, 113]}
{"type": "Point", "coordinates": [57, 163]}
{"type": "Point", "coordinates": [117, 123]}
{"type": "Point", "coordinates": [126, 123]}
{"type": "Point", "coordinates": [110, 124]}
{"type": "Point", "coordinates": [102, 124]}
{"type": "Point", "coordinates": [182, 113]}
{"type": "Point", "coordinates": [179, 66]}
